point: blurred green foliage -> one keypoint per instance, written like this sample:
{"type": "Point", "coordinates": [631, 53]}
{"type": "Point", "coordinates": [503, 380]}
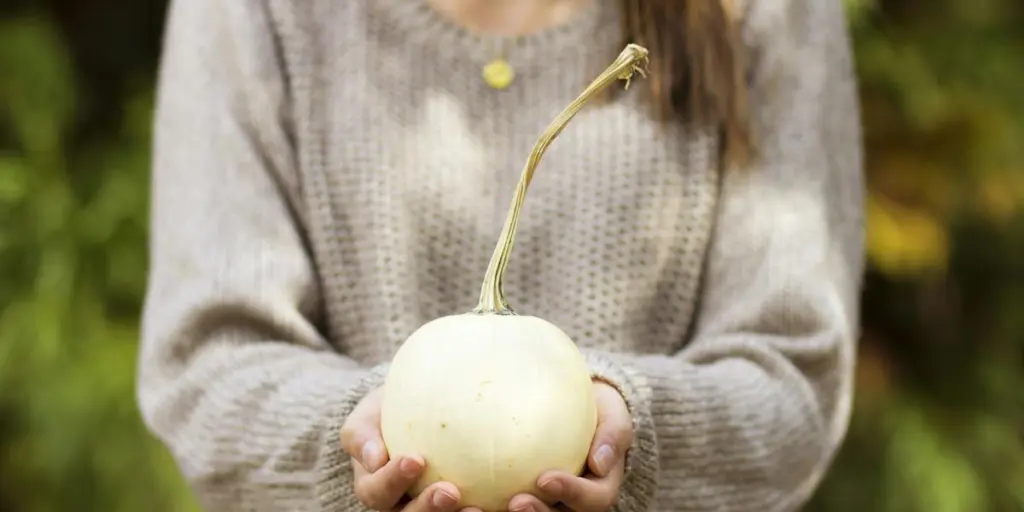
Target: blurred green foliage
{"type": "Point", "coordinates": [72, 268]}
{"type": "Point", "coordinates": [938, 423]}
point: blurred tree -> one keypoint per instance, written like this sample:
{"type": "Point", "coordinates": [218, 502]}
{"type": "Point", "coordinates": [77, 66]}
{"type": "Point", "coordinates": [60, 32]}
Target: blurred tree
{"type": "Point", "coordinates": [72, 261]}
{"type": "Point", "coordinates": [937, 423]}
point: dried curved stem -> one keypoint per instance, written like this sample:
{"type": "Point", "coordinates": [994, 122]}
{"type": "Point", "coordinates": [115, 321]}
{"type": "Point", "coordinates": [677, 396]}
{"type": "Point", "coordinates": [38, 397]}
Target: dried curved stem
{"type": "Point", "coordinates": [492, 293]}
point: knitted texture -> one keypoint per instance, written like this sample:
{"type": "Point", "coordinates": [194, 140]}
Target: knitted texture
{"type": "Point", "coordinates": [330, 175]}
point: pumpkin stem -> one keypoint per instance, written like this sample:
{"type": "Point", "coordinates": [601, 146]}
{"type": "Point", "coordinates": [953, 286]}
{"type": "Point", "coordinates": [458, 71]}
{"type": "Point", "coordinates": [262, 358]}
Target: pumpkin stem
{"type": "Point", "coordinates": [492, 293]}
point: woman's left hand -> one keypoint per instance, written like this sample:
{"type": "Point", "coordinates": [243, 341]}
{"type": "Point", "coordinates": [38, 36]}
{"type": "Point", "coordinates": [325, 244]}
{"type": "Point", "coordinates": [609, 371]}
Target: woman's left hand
{"type": "Point", "coordinates": [598, 489]}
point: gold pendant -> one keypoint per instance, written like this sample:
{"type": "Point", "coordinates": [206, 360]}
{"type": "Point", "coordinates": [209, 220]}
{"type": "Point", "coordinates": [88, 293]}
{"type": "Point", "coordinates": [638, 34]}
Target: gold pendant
{"type": "Point", "coordinates": [498, 73]}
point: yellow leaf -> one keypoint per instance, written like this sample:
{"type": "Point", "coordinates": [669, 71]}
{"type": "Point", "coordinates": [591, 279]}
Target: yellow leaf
{"type": "Point", "coordinates": [904, 242]}
{"type": "Point", "coordinates": [997, 198]}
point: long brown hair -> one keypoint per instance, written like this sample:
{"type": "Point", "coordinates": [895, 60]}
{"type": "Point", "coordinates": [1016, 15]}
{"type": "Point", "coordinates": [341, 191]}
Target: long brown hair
{"type": "Point", "coordinates": [698, 65]}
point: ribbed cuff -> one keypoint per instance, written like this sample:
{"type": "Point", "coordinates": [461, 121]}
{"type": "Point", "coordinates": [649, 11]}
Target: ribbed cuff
{"type": "Point", "coordinates": [335, 489]}
{"type": "Point", "coordinates": [638, 489]}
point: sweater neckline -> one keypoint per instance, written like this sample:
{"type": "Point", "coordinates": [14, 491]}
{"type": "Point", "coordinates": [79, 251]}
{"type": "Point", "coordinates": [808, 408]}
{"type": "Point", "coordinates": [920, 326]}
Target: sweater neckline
{"type": "Point", "coordinates": [421, 24]}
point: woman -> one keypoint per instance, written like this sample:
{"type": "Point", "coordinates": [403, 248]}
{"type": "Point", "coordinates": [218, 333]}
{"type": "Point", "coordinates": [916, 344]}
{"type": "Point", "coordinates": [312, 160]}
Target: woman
{"type": "Point", "coordinates": [330, 175]}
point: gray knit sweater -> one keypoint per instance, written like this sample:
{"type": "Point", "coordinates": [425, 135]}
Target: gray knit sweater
{"type": "Point", "coordinates": [329, 175]}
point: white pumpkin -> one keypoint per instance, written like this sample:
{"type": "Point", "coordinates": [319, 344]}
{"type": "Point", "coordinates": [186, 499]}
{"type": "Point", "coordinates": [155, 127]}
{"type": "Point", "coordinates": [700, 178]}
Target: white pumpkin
{"type": "Point", "coordinates": [490, 402]}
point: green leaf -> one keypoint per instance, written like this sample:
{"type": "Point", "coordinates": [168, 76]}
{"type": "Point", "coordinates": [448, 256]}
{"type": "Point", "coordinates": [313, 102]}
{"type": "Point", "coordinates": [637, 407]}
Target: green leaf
{"type": "Point", "coordinates": [37, 84]}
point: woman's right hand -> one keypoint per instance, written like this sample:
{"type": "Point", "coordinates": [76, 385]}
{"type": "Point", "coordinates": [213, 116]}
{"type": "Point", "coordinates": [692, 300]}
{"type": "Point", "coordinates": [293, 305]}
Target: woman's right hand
{"type": "Point", "coordinates": [380, 483]}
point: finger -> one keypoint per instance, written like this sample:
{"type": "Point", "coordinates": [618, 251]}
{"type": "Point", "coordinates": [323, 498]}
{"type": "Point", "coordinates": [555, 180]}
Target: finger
{"type": "Point", "coordinates": [584, 494]}
{"type": "Point", "coordinates": [384, 488]}
{"type": "Point", "coordinates": [358, 472]}
{"type": "Point", "coordinates": [528, 503]}
{"type": "Point", "coordinates": [614, 431]}
{"type": "Point", "coordinates": [360, 435]}
{"type": "Point", "coordinates": [440, 497]}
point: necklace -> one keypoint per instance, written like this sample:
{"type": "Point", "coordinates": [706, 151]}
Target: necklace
{"type": "Point", "coordinates": [498, 73]}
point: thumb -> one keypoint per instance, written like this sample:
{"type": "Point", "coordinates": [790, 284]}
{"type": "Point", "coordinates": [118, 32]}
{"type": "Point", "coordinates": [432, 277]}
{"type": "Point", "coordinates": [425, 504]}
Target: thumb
{"type": "Point", "coordinates": [360, 435]}
{"type": "Point", "coordinates": [614, 430]}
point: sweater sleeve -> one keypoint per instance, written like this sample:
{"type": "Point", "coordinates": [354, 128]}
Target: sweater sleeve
{"type": "Point", "coordinates": [234, 375]}
{"type": "Point", "coordinates": [749, 414]}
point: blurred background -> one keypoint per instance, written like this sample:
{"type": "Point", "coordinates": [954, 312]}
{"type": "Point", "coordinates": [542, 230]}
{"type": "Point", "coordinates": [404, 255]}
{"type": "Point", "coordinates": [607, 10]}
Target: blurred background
{"type": "Point", "coordinates": [939, 418]}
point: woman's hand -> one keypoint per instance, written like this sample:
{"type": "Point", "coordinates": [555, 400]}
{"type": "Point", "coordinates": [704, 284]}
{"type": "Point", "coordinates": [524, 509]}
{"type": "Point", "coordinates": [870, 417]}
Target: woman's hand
{"type": "Point", "coordinates": [380, 483]}
{"type": "Point", "coordinates": [598, 489]}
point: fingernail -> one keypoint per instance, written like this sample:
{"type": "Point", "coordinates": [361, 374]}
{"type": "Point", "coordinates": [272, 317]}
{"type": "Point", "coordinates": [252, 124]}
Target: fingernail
{"type": "Point", "coordinates": [551, 485]}
{"type": "Point", "coordinates": [371, 456]}
{"type": "Point", "coordinates": [409, 467]}
{"type": "Point", "coordinates": [443, 500]}
{"type": "Point", "coordinates": [603, 457]}
{"type": "Point", "coordinates": [526, 507]}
